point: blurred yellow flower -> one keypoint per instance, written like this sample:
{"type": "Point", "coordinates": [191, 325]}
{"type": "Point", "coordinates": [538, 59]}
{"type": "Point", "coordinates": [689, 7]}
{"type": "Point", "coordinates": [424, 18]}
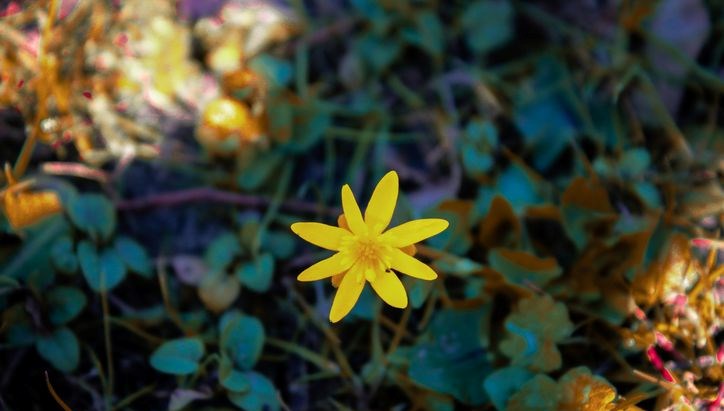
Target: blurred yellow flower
{"type": "Point", "coordinates": [366, 252]}
{"type": "Point", "coordinates": [22, 207]}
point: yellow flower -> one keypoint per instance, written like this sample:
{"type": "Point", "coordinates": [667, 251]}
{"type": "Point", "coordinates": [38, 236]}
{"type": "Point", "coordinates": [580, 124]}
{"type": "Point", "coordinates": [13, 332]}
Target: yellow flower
{"type": "Point", "coordinates": [366, 252]}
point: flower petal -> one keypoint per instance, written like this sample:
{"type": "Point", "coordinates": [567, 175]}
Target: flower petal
{"type": "Point", "coordinates": [347, 294]}
{"type": "Point", "coordinates": [414, 231]}
{"type": "Point", "coordinates": [411, 266]}
{"type": "Point", "coordinates": [328, 267]}
{"type": "Point", "coordinates": [352, 214]}
{"type": "Point", "coordinates": [382, 203]}
{"type": "Point", "coordinates": [321, 235]}
{"type": "Point", "coordinates": [389, 287]}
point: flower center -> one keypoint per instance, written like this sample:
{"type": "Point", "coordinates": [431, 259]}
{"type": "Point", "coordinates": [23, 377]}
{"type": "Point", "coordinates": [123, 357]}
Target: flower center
{"type": "Point", "coordinates": [370, 253]}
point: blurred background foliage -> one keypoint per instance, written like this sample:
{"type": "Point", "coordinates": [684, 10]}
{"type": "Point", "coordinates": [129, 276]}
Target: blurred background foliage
{"type": "Point", "coordinates": [156, 153]}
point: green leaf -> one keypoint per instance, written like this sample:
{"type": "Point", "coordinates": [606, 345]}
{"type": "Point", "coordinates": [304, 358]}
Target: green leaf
{"type": "Point", "coordinates": [65, 303]}
{"type": "Point", "coordinates": [62, 255]}
{"type": "Point", "coordinates": [60, 348]}
{"type": "Point", "coordinates": [427, 34]}
{"type": "Point", "coordinates": [281, 120]}
{"type": "Point", "coordinates": [505, 382]}
{"type": "Point", "coordinates": [261, 396]}
{"type": "Point", "coordinates": [476, 163]}
{"type": "Point", "coordinates": [242, 339]}
{"type": "Point", "coordinates": [377, 52]}
{"type": "Point", "coordinates": [257, 274]}
{"type": "Point", "coordinates": [134, 256]}
{"type": "Point", "coordinates": [648, 193]}
{"type": "Point", "coordinates": [102, 272]}
{"type": "Point", "coordinates": [8, 283]}
{"type": "Point", "coordinates": [365, 306]}
{"type": "Point", "coordinates": [417, 290]}
{"type": "Point", "coordinates": [21, 335]}
{"type": "Point", "coordinates": [39, 280]}
{"type": "Point", "coordinates": [487, 24]}
{"type": "Point", "coordinates": [280, 244]}
{"type": "Point", "coordinates": [519, 267]}
{"type": "Point", "coordinates": [519, 187]}
{"type": "Point", "coordinates": [483, 134]}
{"type": "Point", "coordinates": [179, 357]}
{"type": "Point", "coordinates": [541, 393]}
{"type": "Point", "coordinates": [277, 71]}
{"type": "Point", "coordinates": [311, 122]}
{"type": "Point", "coordinates": [261, 169]}
{"type": "Point", "coordinates": [222, 251]}
{"type": "Point", "coordinates": [34, 255]}
{"type": "Point", "coordinates": [230, 378]}
{"type": "Point", "coordinates": [634, 162]}
{"type": "Point", "coordinates": [451, 358]}
{"type": "Point", "coordinates": [93, 214]}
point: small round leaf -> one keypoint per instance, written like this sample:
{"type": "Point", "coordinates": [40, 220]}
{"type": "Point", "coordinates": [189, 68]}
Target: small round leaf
{"type": "Point", "coordinates": [134, 256]}
{"type": "Point", "coordinates": [261, 395]}
{"type": "Point", "coordinates": [65, 303]}
{"type": "Point", "coordinates": [93, 214]}
{"type": "Point", "coordinates": [257, 275]}
{"type": "Point", "coordinates": [62, 255]}
{"type": "Point", "coordinates": [242, 339]}
{"type": "Point", "coordinates": [102, 271]}
{"type": "Point", "coordinates": [59, 348]}
{"type": "Point", "coordinates": [178, 357]}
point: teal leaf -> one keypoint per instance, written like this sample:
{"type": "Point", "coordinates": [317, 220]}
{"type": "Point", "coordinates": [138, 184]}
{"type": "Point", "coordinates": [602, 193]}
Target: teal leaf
{"type": "Point", "coordinates": [427, 34]}
{"type": "Point", "coordinates": [93, 214]}
{"type": "Point", "coordinates": [483, 134]}
{"type": "Point", "coordinates": [222, 251]}
{"type": "Point", "coordinates": [21, 334]}
{"type": "Point", "coordinates": [505, 382]}
{"type": "Point", "coordinates": [521, 268]}
{"type": "Point", "coordinates": [520, 187]}
{"type": "Point", "coordinates": [634, 162]}
{"type": "Point", "coordinates": [377, 52]}
{"type": "Point", "coordinates": [64, 304]}
{"type": "Point", "coordinates": [39, 280]}
{"type": "Point", "coordinates": [8, 283]}
{"type": "Point", "coordinates": [62, 255]}
{"type": "Point", "coordinates": [34, 255]}
{"type": "Point", "coordinates": [281, 121]}
{"type": "Point", "coordinates": [230, 378]}
{"type": "Point", "coordinates": [257, 275]}
{"type": "Point", "coordinates": [102, 272]}
{"type": "Point", "coordinates": [370, 9]}
{"type": "Point", "coordinates": [60, 348]}
{"type": "Point", "coordinates": [487, 24]}
{"type": "Point", "coordinates": [242, 339]}
{"type": "Point", "coordinates": [365, 307]}
{"type": "Point", "coordinates": [134, 256]}
{"type": "Point", "coordinates": [311, 122]}
{"type": "Point", "coordinates": [451, 359]}
{"type": "Point", "coordinates": [277, 71]}
{"type": "Point", "coordinates": [547, 127]}
{"type": "Point", "coordinates": [279, 244]}
{"type": "Point", "coordinates": [477, 163]}
{"type": "Point", "coordinates": [456, 239]}
{"type": "Point", "coordinates": [178, 357]}
{"type": "Point", "coordinates": [260, 170]}
{"type": "Point", "coordinates": [417, 290]}
{"type": "Point", "coordinates": [648, 193]}
{"type": "Point", "coordinates": [261, 396]}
